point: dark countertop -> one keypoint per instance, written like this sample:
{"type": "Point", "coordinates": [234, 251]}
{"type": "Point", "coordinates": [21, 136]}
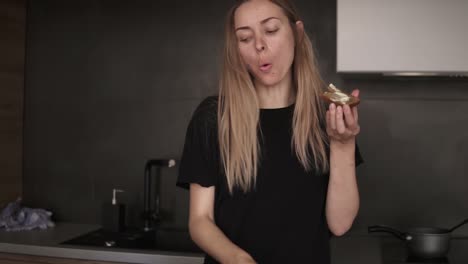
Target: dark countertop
{"type": "Point", "coordinates": [47, 243]}
{"type": "Point", "coordinates": [356, 247]}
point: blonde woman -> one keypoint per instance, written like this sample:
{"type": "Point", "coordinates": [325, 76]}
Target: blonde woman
{"type": "Point", "coordinates": [271, 171]}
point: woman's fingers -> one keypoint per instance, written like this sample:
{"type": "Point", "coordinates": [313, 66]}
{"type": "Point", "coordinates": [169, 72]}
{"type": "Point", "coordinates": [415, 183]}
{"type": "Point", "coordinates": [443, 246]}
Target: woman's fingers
{"type": "Point", "coordinates": [355, 114]}
{"type": "Point", "coordinates": [342, 121]}
{"type": "Point", "coordinates": [340, 125]}
{"type": "Point", "coordinates": [355, 93]}
{"type": "Point", "coordinates": [327, 119]}
{"type": "Point", "coordinates": [350, 122]}
{"type": "Point", "coordinates": [332, 116]}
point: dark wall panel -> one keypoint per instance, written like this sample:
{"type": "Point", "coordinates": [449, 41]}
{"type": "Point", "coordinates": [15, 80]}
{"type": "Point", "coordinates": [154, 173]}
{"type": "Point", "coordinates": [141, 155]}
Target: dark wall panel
{"type": "Point", "coordinates": [110, 84]}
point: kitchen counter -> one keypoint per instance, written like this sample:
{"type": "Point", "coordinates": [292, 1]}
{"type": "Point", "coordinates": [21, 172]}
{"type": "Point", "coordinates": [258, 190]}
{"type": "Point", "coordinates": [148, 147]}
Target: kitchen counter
{"type": "Point", "coordinates": [47, 243]}
{"type": "Point", "coordinates": [356, 247]}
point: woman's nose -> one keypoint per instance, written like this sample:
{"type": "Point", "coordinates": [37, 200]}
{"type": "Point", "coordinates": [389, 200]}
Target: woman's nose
{"type": "Point", "coordinates": [260, 44]}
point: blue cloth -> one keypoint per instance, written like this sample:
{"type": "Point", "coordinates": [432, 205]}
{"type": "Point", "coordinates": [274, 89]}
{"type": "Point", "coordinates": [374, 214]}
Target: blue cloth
{"type": "Point", "coordinates": [14, 217]}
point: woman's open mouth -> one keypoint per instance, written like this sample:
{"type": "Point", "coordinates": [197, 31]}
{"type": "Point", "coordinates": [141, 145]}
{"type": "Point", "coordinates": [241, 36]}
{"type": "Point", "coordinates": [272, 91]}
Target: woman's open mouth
{"type": "Point", "coordinates": [265, 67]}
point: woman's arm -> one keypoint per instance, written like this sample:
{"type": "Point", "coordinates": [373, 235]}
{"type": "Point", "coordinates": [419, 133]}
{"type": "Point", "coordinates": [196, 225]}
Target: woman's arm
{"type": "Point", "coordinates": [342, 203]}
{"type": "Point", "coordinates": [343, 196]}
{"type": "Point", "coordinates": [204, 231]}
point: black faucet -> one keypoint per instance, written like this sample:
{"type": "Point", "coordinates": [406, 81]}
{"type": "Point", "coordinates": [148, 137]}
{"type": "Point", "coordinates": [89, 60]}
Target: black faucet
{"type": "Point", "coordinates": [150, 215]}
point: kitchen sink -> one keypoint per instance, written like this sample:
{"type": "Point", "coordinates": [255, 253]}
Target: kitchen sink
{"type": "Point", "coordinates": [177, 240]}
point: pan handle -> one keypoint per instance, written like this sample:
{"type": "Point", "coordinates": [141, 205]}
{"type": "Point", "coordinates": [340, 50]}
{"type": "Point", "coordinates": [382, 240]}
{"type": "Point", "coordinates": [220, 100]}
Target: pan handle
{"type": "Point", "coordinates": [457, 226]}
{"type": "Point", "coordinates": [391, 230]}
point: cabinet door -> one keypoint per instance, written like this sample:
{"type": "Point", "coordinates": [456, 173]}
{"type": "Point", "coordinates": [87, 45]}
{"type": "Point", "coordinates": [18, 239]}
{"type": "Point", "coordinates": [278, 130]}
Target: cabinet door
{"type": "Point", "coordinates": [12, 50]}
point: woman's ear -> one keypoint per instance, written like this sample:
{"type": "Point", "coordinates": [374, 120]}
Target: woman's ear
{"type": "Point", "coordinates": [300, 29]}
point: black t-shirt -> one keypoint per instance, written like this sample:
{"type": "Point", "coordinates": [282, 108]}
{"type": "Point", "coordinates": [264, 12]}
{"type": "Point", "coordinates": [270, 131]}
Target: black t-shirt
{"type": "Point", "coordinates": [282, 220]}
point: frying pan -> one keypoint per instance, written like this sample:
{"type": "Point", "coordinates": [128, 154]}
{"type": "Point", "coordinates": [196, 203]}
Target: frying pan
{"type": "Point", "coordinates": [422, 242]}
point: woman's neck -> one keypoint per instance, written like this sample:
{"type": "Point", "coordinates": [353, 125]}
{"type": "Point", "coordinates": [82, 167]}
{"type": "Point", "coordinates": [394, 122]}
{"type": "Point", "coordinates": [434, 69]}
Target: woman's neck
{"type": "Point", "coordinates": [278, 95]}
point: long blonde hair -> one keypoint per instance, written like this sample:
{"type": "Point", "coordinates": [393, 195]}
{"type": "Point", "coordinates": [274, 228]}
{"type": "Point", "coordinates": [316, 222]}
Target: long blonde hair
{"type": "Point", "coordinates": [239, 110]}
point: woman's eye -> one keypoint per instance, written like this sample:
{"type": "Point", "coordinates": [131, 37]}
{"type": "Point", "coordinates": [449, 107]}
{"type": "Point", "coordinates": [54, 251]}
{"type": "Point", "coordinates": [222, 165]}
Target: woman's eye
{"type": "Point", "coordinates": [244, 39]}
{"type": "Point", "coordinates": [271, 31]}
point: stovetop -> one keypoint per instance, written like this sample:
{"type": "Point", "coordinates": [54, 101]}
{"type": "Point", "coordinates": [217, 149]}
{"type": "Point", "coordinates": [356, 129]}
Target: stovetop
{"type": "Point", "coordinates": [395, 252]}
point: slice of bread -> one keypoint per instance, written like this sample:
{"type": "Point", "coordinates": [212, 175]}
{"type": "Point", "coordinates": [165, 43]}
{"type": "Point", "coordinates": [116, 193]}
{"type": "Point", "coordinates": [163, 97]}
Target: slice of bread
{"type": "Point", "coordinates": [338, 97]}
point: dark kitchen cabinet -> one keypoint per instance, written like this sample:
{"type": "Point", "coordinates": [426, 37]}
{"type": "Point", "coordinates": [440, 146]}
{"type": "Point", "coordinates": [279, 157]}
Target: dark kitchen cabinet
{"type": "Point", "coordinates": [12, 54]}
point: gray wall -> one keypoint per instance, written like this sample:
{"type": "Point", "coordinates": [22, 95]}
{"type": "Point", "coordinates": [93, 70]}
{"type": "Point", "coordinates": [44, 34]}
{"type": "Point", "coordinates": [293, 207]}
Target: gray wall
{"type": "Point", "coordinates": [110, 84]}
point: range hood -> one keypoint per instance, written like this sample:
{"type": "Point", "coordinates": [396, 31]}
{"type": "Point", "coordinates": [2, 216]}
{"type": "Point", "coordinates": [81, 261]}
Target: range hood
{"type": "Point", "coordinates": [403, 37]}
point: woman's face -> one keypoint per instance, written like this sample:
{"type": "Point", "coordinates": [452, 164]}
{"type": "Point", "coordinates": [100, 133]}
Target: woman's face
{"type": "Point", "coordinates": [265, 40]}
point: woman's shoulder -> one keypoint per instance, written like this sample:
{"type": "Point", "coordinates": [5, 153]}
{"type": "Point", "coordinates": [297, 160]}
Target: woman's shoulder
{"type": "Point", "coordinates": [208, 106]}
{"type": "Point", "coordinates": [206, 112]}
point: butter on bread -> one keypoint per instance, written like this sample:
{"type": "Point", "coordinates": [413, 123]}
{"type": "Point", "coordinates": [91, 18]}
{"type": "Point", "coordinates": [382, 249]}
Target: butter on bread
{"type": "Point", "coordinates": [338, 97]}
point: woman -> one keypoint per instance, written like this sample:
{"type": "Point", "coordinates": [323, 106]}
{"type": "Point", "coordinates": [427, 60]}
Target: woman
{"type": "Point", "coordinates": [271, 172]}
